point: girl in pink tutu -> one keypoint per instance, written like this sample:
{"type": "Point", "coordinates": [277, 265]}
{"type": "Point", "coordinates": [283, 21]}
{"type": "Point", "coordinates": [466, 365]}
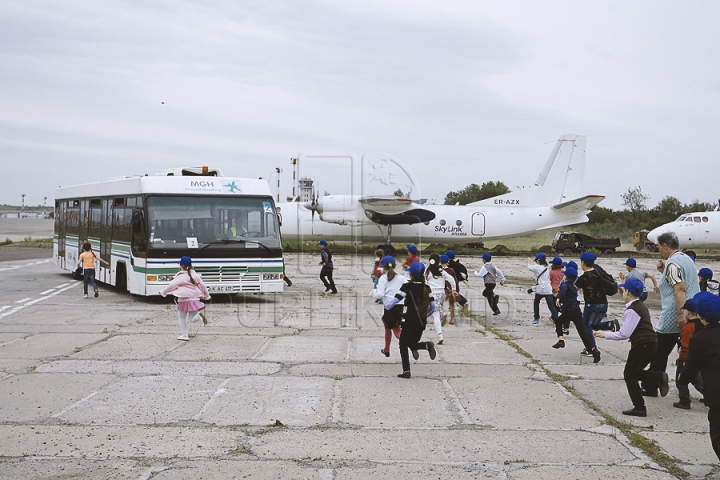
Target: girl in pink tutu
{"type": "Point", "coordinates": [189, 288]}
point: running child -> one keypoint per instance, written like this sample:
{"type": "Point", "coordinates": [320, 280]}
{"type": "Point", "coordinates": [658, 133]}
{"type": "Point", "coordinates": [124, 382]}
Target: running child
{"type": "Point", "coordinates": [435, 277]}
{"type": "Point", "coordinates": [189, 289]}
{"type": "Point", "coordinates": [388, 286]}
{"type": "Point", "coordinates": [87, 259]}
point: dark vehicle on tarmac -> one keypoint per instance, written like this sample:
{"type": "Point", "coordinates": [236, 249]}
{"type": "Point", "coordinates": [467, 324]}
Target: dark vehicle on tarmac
{"type": "Point", "coordinates": [641, 242]}
{"type": "Point", "coordinates": [568, 243]}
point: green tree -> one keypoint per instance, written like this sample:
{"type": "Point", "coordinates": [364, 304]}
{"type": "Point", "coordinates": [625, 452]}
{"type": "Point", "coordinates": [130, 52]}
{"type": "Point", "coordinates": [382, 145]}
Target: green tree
{"type": "Point", "coordinates": [667, 210]}
{"type": "Point", "coordinates": [475, 193]}
{"type": "Point", "coordinates": [399, 193]}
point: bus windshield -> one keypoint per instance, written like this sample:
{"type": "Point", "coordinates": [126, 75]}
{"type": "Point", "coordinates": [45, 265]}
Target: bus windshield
{"type": "Point", "coordinates": [176, 221]}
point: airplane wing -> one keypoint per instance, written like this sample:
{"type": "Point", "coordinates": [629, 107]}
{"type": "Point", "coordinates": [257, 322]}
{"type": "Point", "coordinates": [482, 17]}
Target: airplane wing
{"type": "Point", "coordinates": [388, 210]}
{"type": "Point", "coordinates": [579, 205]}
{"type": "Point", "coordinates": [387, 204]}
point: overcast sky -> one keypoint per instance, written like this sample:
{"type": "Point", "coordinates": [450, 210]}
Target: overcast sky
{"type": "Point", "coordinates": [463, 92]}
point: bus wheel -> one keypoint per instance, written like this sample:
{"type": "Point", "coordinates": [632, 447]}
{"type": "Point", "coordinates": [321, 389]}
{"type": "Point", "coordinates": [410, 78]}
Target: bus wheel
{"type": "Point", "coordinates": [567, 252]}
{"type": "Point", "coordinates": [121, 277]}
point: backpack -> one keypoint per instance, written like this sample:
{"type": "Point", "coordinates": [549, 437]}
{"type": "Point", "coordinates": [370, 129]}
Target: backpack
{"type": "Point", "coordinates": [460, 271]}
{"type": "Point", "coordinates": [609, 285]}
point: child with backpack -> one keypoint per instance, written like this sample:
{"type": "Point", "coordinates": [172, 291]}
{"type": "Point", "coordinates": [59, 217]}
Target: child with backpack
{"type": "Point", "coordinates": [692, 326]}
{"type": "Point", "coordinates": [707, 284]}
{"type": "Point", "coordinates": [596, 285]}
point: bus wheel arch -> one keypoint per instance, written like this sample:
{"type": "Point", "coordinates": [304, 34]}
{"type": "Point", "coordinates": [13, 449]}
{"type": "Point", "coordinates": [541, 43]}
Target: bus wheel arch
{"type": "Point", "coordinates": [121, 277]}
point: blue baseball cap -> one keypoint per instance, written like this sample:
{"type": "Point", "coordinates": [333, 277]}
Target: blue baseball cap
{"type": "Point", "coordinates": [387, 260]}
{"type": "Point", "coordinates": [417, 269]}
{"type": "Point", "coordinates": [450, 253]}
{"type": "Point", "coordinates": [588, 257]}
{"type": "Point", "coordinates": [556, 261]}
{"type": "Point", "coordinates": [630, 262]}
{"type": "Point", "coordinates": [689, 306]}
{"type": "Point", "coordinates": [705, 273]}
{"type": "Point", "coordinates": [634, 286]}
{"type": "Point", "coordinates": [571, 264]}
{"type": "Point", "coordinates": [571, 273]}
{"type": "Point", "coordinates": [444, 258]}
{"type": "Point", "coordinates": [540, 256]}
{"type": "Point", "coordinates": [707, 306]}
{"type": "Point", "coordinates": [322, 242]}
{"type": "Point", "coordinates": [185, 261]}
{"type": "Point", "coordinates": [487, 257]}
{"type": "Point", "coordinates": [412, 249]}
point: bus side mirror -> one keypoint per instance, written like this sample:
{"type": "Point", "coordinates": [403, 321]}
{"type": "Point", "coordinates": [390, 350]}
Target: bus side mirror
{"type": "Point", "coordinates": [279, 219]}
{"type": "Point", "coordinates": [137, 221]}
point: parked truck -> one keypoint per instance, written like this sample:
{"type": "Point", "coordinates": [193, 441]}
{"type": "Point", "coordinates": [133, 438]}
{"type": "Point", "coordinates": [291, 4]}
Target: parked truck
{"type": "Point", "coordinates": [568, 243]}
{"type": "Point", "coordinates": [641, 242]}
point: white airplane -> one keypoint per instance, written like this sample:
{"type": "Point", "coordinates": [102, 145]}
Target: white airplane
{"type": "Point", "coordinates": [694, 230]}
{"type": "Point", "coordinates": [555, 200]}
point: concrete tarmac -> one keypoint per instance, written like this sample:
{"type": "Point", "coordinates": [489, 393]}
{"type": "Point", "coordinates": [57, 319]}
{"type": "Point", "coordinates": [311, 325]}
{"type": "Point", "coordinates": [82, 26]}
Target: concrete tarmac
{"type": "Point", "coordinates": [293, 385]}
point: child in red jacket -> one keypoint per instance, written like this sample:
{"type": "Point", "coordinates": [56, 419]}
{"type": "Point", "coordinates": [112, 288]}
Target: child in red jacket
{"type": "Point", "coordinates": [691, 327]}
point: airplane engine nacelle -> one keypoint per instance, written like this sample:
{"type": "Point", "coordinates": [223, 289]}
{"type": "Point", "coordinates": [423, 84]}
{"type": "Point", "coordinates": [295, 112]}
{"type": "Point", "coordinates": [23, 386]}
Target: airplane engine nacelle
{"type": "Point", "coordinates": [336, 209]}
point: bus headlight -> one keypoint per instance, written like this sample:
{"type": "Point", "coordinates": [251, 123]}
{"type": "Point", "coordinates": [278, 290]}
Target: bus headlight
{"type": "Point", "coordinates": [271, 276]}
{"type": "Point", "coordinates": [160, 278]}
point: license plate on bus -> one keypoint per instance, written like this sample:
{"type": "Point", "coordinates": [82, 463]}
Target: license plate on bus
{"type": "Point", "coordinates": [220, 288]}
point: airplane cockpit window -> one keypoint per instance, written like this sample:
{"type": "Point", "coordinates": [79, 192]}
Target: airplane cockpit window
{"type": "Point", "coordinates": [705, 219]}
{"type": "Point", "coordinates": [680, 218]}
{"type": "Point", "coordinates": [697, 219]}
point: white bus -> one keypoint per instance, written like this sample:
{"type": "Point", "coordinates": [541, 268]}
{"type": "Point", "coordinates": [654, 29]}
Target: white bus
{"type": "Point", "coordinates": [142, 225]}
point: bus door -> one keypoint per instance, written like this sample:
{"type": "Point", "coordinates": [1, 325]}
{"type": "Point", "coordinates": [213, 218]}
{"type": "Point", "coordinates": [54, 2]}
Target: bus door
{"type": "Point", "coordinates": [60, 230]}
{"type": "Point", "coordinates": [106, 237]}
{"type": "Point", "coordinates": [84, 231]}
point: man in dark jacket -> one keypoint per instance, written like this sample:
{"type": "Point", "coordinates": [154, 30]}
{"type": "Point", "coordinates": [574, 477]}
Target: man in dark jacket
{"type": "Point", "coordinates": [704, 356]}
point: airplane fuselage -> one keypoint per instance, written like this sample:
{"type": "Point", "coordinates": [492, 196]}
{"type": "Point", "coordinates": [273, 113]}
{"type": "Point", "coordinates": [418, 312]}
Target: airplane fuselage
{"type": "Point", "coordinates": [452, 224]}
{"type": "Point", "coordinates": [694, 230]}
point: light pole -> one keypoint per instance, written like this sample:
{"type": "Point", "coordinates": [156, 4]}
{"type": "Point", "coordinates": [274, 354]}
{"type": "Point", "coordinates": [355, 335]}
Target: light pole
{"type": "Point", "coordinates": [278, 171]}
{"type": "Point", "coordinates": [45, 207]}
{"type": "Point", "coordinates": [22, 209]}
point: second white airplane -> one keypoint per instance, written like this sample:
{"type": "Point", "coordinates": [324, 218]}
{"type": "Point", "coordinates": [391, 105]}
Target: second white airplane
{"type": "Point", "coordinates": [555, 200]}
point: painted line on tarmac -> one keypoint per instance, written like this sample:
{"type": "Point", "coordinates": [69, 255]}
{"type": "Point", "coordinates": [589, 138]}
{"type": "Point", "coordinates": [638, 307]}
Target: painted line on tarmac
{"type": "Point", "coordinates": [82, 400]}
{"type": "Point", "coordinates": [47, 291]}
{"type": "Point", "coordinates": [24, 300]}
{"type": "Point", "coordinates": [33, 302]}
{"type": "Point", "coordinates": [4, 307]}
{"type": "Point", "coordinates": [459, 411]}
{"type": "Point", "coordinates": [15, 267]}
{"type": "Point", "coordinates": [261, 349]}
{"type": "Point", "coordinates": [64, 285]}
{"type": "Point", "coordinates": [220, 390]}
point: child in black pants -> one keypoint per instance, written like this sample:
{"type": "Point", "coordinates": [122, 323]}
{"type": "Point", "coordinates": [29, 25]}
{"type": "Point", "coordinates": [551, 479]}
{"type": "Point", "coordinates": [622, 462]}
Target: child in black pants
{"type": "Point", "coordinates": [567, 301]}
{"type": "Point", "coordinates": [419, 302]}
{"type": "Point", "coordinates": [637, 328]}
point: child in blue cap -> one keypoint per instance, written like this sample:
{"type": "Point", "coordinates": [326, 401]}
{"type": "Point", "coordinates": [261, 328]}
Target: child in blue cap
{"type": "Point", "coordinates": [542, 288]}
{"type": "Point", "coordinates": [692, 326]}
{"type": "Point", "coordinates": [638, 329]}
{"type": "Point", "coordinates": [326, 272]}
{"type": "Point", "coordinates": [567, 300]}
{"type": "Point", "coordinates": [491, 275]}
{"type": "Point", "coordinates": [704, 357]}
{"type": "Point", "coordinates": [418, 305]}
{"type": "Point", "coordinates": [707, 284]}
{"type": "Point", "coordinates": [189, 289]}
{"type": "Point", "coordinates": [388, 286]}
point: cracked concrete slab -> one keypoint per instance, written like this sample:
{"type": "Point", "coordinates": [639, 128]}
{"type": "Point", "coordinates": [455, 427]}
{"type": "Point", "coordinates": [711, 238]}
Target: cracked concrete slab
{"type": "Point", "coordinates": [440, 445]}
{"type": "Point", "coordinates": [305, 402]}
{"type": "Point", "coordinates": [38, 396]}
{"type": "Point", "coordinates": [111, 441]}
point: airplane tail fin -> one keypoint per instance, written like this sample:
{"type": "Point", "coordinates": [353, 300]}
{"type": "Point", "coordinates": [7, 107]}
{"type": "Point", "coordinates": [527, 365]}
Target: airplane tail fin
{"type": "Point", "coordinates": [561, 179]}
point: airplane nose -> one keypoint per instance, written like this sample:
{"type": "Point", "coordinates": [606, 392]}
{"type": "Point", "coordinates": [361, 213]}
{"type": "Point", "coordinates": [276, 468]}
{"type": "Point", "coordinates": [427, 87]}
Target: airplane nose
{"type": "Point", "coordinates": [655, 233]}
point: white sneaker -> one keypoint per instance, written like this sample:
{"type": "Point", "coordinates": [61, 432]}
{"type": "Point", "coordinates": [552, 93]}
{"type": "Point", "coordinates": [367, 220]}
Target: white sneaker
{"type": "Point", "coordinates": [84, 295]}
{"type": "Point", "coordinates": [184, 338]}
